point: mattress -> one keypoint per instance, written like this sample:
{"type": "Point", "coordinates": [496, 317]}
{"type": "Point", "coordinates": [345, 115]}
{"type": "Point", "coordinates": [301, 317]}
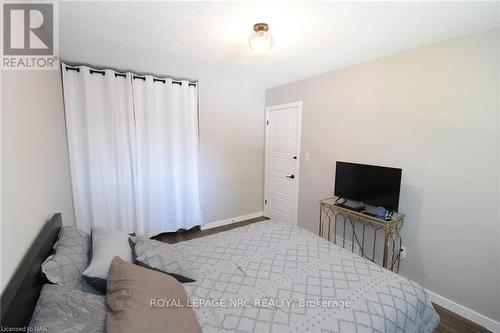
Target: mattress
{"type": "Point", "coordinates": [274, 277]}
{"type": "Point", "coordinates": [287, 279]}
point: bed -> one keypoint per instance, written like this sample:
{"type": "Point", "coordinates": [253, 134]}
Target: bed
{"type": "Point", "coordinates": [274, 277]}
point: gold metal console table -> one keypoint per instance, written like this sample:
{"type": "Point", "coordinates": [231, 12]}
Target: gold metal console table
{"type": "Point", "coordinates": [358, 222]}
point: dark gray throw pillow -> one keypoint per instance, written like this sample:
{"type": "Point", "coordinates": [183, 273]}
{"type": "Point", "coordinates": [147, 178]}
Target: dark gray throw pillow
{"type": "Point", "coordinates": [178, 277]}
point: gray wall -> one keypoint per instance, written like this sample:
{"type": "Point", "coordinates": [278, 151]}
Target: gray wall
{"type": "Point", "coordinates": [35, 167]}
{"type": "Point", "coordinates": [231, 147]}
{"type": "Point", "coordinates": [432, 111]}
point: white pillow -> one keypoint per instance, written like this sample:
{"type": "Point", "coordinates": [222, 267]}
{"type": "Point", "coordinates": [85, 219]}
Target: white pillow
{"type": "Point", "coordinates": [106, 244]}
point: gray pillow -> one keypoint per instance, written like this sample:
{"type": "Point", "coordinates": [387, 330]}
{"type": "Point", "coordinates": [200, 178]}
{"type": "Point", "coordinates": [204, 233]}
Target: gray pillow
{"type": "Point", "coordinates": [70, 259]}
{"type": "Point", "coordinates": [163, 257]}
{"type": "Point", "coordinates": [106, 244]}
{"type": "Point", "coordinates": [62, 309]}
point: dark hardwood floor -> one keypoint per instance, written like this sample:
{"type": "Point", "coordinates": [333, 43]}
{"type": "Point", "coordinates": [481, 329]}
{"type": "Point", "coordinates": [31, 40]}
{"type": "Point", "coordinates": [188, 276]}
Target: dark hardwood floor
{"type": "Point", "coordinates": [450, 322]}
{"type": "Point", "coordinates": [196, 232]}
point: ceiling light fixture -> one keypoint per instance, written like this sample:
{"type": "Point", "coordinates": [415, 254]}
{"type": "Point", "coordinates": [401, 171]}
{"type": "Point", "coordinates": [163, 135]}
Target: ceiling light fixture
{"type": "Point", "coordinates": [261, 40]}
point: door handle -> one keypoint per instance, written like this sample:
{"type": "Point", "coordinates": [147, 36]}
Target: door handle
{"type": "Point", "coordinates": [291, 176]}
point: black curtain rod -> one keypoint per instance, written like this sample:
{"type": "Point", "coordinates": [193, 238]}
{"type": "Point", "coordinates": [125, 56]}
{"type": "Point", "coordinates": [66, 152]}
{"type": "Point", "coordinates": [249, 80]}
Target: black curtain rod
{"type": "Point", "coordinates": [76, 69]}
{"type": "Point", "coordinates": [139, 77]}
{"type": "Point", "coordinates": [93, 71]}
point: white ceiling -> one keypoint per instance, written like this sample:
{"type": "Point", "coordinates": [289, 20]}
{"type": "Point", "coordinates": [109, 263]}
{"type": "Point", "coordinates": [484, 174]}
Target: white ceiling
{"type": "Point", "coordinates": [194, 39]}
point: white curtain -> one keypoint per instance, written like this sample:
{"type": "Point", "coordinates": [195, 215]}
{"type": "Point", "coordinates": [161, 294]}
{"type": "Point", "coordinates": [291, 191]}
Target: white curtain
{"type": "Point", "coordinates": [133, 147]}
{"type": "Point", "coordinates": [100, 130]}
{"type": "Point", "coordinates": [167, 154]}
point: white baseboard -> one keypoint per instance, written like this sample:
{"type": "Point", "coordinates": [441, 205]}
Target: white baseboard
{"type": "Point", "coordinates": [467, 313]}
{"type": "Point", "coordinates": [215, 224]}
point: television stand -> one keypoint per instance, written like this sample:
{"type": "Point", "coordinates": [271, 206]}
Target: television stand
{"type": "Point", "coordinates": [356, 225]}
{"type": "Point", "coordinates": [355, 206]}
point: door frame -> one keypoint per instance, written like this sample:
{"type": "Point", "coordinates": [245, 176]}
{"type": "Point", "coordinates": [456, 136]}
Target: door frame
{"type": "Point", "coordinates": [269, 109]}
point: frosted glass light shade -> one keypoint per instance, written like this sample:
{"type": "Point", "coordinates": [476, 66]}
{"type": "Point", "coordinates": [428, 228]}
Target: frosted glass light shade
{"type": "Point", "coordinates": [261, 40]}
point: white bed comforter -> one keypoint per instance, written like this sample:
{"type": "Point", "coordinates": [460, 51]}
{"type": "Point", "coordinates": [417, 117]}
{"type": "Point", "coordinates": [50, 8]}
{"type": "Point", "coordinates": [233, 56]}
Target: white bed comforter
{"type": "Point", "coordinates": [274, 277]}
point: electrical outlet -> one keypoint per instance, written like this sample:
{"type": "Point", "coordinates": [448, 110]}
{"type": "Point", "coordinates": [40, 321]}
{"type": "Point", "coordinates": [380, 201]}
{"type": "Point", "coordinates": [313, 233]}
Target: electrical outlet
{"type": "Point", "coordinates": [403, 252]}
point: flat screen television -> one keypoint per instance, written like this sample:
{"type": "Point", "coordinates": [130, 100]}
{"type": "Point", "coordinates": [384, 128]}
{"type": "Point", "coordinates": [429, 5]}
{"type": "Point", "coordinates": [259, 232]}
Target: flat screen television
{"type": "Point", "coordinates": [372, 185]}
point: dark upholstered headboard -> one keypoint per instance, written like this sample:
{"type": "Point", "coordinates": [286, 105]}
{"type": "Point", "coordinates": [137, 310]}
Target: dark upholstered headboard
{"type": "Point", "coordinates": [21, 293]}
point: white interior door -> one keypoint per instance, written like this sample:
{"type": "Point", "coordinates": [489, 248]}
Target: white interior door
{"type": "Point", "coordinates": [282, 161]}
